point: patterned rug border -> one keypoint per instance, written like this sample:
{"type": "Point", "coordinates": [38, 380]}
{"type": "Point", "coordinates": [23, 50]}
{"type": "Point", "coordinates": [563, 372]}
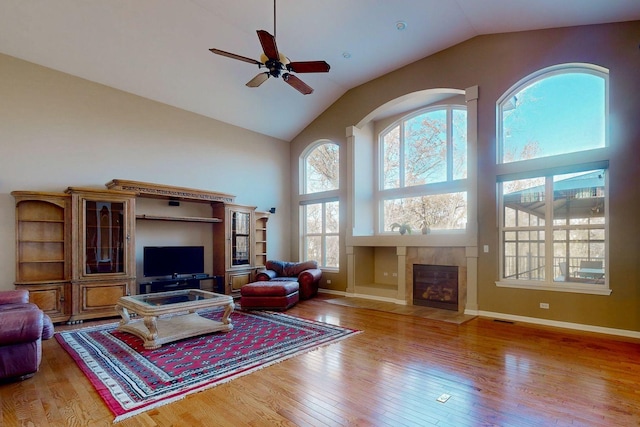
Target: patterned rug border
{"type": "Point", "coordinates": [121, 413]}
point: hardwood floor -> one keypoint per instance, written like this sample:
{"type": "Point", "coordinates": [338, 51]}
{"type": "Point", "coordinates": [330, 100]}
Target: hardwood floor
{"type": "Point", "coordinates": [498, 374]}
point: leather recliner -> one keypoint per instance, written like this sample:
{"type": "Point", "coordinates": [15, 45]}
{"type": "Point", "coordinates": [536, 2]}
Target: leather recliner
{"type": "Point", "coordinates": [306, 273]}
{"type": "Point", "coordinates": [23, 326]}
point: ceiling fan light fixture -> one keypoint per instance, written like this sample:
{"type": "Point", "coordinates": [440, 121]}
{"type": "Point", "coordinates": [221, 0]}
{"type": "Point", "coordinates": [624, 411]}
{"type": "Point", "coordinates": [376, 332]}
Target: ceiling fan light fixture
{"type": "Point", "coordinates": [277, 63]}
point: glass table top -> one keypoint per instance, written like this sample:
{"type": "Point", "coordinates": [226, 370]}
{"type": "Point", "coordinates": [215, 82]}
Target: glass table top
{"type": "Point", "coordinates": [176, 297]}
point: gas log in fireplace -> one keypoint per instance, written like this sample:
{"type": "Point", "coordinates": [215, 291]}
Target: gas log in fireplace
{"type": "Point", "coordinates": [435, 286]}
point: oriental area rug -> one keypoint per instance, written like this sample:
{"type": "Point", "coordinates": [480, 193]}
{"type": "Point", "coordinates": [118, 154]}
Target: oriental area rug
{"type": "Point", "coordinates": [131, 379]}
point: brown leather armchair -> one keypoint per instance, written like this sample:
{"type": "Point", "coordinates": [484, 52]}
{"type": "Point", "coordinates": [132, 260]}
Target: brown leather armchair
{"type": "Point", "coordinates": [24, 326]}
{"type": "Point", "coordinates": [306, 273]}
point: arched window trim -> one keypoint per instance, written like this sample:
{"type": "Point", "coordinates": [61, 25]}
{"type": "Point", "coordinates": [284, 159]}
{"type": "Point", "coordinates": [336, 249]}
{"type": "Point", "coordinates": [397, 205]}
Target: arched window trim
{"type": "Point", "coordinates": [531, 79]}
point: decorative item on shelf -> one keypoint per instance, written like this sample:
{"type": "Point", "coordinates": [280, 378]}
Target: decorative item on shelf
{"type": "Point", "coordinates": [402, 228]}
{"type": "Point", "coordinates": [424, 226]}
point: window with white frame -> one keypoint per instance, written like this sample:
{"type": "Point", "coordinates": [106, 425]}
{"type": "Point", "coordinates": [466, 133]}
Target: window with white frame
{"type": "Point", "coordinates": [320, 206]}
{"type": "Point", "coordinates": [552, 180]}
{"type": "Point", "coordinates": [423, 170]}
{"type": "Point", "coordinates": [321, 168]}
{"type": "Point", "coordinates": [321, 235]}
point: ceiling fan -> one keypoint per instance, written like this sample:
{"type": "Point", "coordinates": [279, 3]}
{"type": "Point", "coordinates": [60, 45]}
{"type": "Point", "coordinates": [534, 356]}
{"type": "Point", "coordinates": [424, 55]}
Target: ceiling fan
{"type": "Point", "coordinates": [277, 64]}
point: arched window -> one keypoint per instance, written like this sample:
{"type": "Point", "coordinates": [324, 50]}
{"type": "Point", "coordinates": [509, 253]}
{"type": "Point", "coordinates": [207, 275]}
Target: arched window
{"type": "Point", "coordinates": [557, 111]}
{"type": "Point", "coordinates": [321, 168]}
{"type": "Point", "coordinates": [552, 180]}
{"type": "Point", "coordinates": [320, 209]}
{"type": "Point", "coordinates": [423, 170]}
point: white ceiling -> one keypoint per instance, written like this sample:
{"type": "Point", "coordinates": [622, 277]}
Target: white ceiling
{"type": "Point", "coordinates": [158, 49]}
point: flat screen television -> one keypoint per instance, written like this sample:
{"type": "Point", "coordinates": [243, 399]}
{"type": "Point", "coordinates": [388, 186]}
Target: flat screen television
{"type": "Point", "coordinates": [172, 260]}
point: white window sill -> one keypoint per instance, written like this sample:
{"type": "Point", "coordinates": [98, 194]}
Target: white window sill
{"type": "Point", "coordinates": [578, 288]}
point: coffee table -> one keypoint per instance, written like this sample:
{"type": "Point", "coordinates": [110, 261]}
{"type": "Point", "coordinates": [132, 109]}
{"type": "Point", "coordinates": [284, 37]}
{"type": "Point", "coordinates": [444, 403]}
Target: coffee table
{"type": "Point", "coordinates": [172, 316]}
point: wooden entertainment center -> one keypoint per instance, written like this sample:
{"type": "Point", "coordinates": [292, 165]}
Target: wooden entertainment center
{"type": "Point", "coordinates": [75, 251]}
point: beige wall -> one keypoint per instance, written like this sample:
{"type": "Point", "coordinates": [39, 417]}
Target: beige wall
{"type": "Point", "coordinates": [57, 130]}
{"type": "Point", "coordinates": [495, 63]}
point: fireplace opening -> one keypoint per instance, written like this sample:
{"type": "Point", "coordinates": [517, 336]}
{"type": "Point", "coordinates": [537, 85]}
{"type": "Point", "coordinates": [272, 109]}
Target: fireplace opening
{"type": "Point", "coordinates": [435, 286]}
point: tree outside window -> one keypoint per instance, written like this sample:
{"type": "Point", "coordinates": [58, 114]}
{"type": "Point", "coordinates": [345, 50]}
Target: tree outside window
{"type": "Point", "coordinates": [424, 170]}
{"type": "Point", "coordinates": [321, 172]}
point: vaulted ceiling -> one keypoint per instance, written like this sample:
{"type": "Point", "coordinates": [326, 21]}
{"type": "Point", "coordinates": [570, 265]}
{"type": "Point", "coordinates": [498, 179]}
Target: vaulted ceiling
{"type": "Point", "coordinates": [159, 49]}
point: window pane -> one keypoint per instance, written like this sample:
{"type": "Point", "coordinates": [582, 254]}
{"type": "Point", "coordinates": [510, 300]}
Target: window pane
{"type": "Point", "coordinates": [578, 198]}
{"type": "Point", "coordinates": [459, 136]}
{"type": "Point", "coordinates": [437, 212]}
{"type": "Point", "coordinates": [524, 202]}
{"type": "Point", "coordinates": [313, 215]}
{"type": "Point", "coordinates": [332, 251]}
{"type": "Point", "coordinates": [313, 249]}
{"type": "Point", "coordinates": [559, 114]}
{"type": "Point", "coordinates": [391, 158]}
{"type": "Point", "coordinates": [322, 168]}
{"type": "Point", "coordinates": [426, 148]}
{"type": "Point", "coordinates": [332, 217]}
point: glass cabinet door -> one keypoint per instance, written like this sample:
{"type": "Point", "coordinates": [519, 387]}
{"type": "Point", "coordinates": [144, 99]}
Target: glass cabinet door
{"type": "Point", "coordinates": [104, 237]}
{"type": "Point", "coordinates": [240, 238]}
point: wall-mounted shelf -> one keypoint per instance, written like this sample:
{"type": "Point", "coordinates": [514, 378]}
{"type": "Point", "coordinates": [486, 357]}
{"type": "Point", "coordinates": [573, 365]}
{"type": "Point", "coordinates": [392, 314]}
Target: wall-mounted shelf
{"type": "Point", "coordinates": [177, 218]}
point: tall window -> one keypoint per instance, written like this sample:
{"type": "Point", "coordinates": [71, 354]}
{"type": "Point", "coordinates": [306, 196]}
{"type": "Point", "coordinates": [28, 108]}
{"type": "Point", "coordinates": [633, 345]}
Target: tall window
{"type": "Point", "coordinates": [553, 219]}
{"type": "Point", "coordinates": [423, 170]}
{"type": "Point", "coordinates": [321, 238]}
{"type": "Point", "coordinates": [320, 208]}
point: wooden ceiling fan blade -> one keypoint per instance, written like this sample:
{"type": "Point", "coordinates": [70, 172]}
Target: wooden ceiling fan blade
{"type": "Point", "coordinates": [269, 46]}
{"type": "Point", "coordinates": [297, 84]}
{"type": "Point", "coordinates": [309, 67]}
{"type": "Point", "coordinates": [234, 56]}
{"type": "Point", "coordinates": [258, 80]}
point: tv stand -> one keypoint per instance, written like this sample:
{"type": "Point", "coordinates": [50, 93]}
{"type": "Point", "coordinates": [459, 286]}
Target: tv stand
{"type": "Point", "coordinates": [177, 283]}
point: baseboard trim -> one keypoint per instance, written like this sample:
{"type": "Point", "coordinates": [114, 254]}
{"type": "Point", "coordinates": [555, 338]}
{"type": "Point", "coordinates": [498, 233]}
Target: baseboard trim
{"type": "Point", "coordinates": [555, 323]}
